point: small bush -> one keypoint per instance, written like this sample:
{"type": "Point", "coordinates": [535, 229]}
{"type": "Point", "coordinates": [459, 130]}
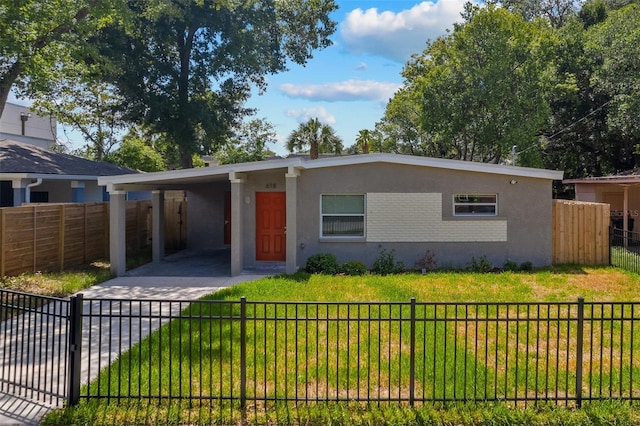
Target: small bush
{"type": "Point", "coordinates": [322, 263]}
{"type": "Point", "coordinates": [354, 268]}
{"type": "Point", "coordinates": [386, 263]}
{"type": "Point", "coordinates": [526, 266]}
{"type": "Point", "coordinates": [427, 261]}
{"type": "Point", "coordinates": [481, 265]}
{"type": "Point", "coordinates": [510, 265]}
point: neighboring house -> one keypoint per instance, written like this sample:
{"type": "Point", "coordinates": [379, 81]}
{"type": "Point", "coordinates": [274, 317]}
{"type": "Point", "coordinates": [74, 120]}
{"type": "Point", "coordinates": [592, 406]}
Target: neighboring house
{"type": "Point", "coordinates": [353, 206]}
{"type": "Point", "coordinates": [31, 174]}
{"type": "Point", "coordinates": [621, 192]}
{"type": "Point", "coordinates": [20, 124]}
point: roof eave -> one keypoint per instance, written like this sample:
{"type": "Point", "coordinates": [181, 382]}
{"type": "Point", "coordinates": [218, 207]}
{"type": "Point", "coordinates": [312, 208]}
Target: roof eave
{"type": "Point", "coordinates": [45, 176]}
{"type": "Point", "coordinates": [304, 163]}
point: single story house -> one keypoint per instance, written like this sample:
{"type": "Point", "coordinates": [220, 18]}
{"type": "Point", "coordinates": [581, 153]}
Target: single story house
{"type": "Point", "coordinates": [621, 191]}
{"type": "Point", "coordinates": [286, 210]}
{"type": "Point", "coordinates": [33, 174]}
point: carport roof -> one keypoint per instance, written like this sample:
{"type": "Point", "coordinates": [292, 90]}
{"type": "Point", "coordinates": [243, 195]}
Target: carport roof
{"type": "Point", "coordinates": [625, 178]}
{"type": "Point", "coordinates": [177, 179]}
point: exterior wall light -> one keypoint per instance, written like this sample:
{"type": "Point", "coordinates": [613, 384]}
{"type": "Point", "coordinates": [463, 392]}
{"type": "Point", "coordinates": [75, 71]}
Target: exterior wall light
{"type": "Point", "coordinates": [513, 181]}
{"type": "Point", "coordinates": [24, 116]}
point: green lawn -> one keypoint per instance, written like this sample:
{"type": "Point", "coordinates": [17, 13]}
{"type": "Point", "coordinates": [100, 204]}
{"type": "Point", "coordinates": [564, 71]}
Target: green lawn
{"type": "Point", "coordinates": [331, 352]}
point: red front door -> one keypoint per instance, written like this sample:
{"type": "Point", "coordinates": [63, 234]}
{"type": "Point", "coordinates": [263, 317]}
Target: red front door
{"type": "Point", "coordinates": [270, 226]}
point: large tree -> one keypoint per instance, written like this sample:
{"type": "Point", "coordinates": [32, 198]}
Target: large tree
{"type": "Point", "coordinates": [38, 39]}
{"type": "Point", "coordinates": [481, 89]}
{"type": "Point", "coordinates": [316, 136]}
{"type": "Point", "coordinates": [596, 114]}
{"type": "Point", "coordinates": [185, 68]}
{"type": "Point", "coordinates": [614, 45]}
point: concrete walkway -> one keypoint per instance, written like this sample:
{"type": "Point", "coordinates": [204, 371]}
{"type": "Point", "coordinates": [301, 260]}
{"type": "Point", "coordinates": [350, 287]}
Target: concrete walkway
{"type": "Point", "coordinates": [180, 277]}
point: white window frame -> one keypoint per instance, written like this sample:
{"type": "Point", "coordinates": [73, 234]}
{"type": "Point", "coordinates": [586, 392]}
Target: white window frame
{"type": "Point", "coordinates": [363, 215]}
{"type": "Point", "coordinates": [482, 214]}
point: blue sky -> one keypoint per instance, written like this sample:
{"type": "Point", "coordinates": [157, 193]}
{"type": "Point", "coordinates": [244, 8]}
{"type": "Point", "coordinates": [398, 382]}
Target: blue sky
{"type": "Point", "coordinates": [348, 84]}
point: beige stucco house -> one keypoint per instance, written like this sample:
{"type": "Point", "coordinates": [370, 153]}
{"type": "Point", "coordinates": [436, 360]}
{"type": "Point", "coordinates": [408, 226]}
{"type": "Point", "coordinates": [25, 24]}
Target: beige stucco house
{"type": "Point", "coordinates": [285, 210]}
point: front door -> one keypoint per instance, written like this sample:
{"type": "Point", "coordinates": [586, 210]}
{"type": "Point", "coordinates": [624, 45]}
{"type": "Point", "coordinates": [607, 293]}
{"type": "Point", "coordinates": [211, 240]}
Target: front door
{"type": "Point", "coordinates": [270, 226]}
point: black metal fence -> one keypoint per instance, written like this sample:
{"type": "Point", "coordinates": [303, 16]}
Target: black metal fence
{"type": "Point", "coordinates": [34, 350]}
{"type": "Point", "coordinates": [410, 352]}
{"type": "Point", "coordinates": [252, 354]}
{"type": "Point", "coordinates": [624, 249]}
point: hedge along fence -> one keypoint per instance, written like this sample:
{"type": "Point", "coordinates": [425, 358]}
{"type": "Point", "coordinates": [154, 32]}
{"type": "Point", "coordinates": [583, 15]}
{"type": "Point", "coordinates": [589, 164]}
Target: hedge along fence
{"type": "Point", "coordinates": [53, 237]}
{"type": "Point", "coordinates": [580, 232]}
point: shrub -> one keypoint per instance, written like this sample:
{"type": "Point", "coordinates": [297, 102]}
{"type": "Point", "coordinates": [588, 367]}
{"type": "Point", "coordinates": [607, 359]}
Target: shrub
{"type": "Point", "coordinates": [322, 263]}
{"type": "Point", "coordinates": [510, 265]}
{"type": "Point", "coordinates": [427, 261]}
{"type": "Point", "coordinates": [481, 265]}
{"type": "Point", "coordinates": [353, 267]}
{"type": "Point", "coordinates": [386, 263]}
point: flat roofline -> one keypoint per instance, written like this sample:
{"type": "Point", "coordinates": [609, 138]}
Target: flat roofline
{"type": "Point", "coordinates": [194, 175]}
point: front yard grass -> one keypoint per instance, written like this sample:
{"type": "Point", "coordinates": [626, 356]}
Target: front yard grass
{"type": "Point", "coordinates": [58, 284]}
{"type": "Point", "coordinates": [559, 284]}
{"type": "Point", "coordinates": [564, 283]}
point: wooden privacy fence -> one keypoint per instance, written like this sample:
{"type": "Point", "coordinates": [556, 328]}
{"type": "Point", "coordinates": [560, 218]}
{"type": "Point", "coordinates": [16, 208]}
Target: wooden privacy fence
{"type": "Point", "coordinates": [580, 232]}
{"type": "Point", "coordinates": [50, 237]}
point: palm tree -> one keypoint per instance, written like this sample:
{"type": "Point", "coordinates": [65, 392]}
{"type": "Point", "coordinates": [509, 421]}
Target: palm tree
{"type": "Point", "coordinates": [317, 136]}
{"type": "Point", "coordinates": [364, 139]}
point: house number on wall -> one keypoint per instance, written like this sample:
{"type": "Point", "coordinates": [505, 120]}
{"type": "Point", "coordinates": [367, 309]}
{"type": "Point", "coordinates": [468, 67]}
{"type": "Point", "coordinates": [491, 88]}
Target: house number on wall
{"type": "Point", "coordinates": [270, 186]}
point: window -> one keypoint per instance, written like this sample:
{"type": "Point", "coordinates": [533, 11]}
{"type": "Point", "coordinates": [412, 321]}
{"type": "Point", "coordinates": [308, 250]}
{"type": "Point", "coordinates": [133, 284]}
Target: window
{"type": "Point", "coordinates": [475, 205]}
{"type": "Point", "coordinates": [342, 216]}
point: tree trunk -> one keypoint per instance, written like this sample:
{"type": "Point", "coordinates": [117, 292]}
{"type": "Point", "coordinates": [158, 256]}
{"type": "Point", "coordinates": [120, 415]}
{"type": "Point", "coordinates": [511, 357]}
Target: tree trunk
{"type": "Point", "coordinates": [186, 161]}
{"type": "Point", "coordinates": [6, 82]}
{"type": "Point", "coordinates": [313, 151]}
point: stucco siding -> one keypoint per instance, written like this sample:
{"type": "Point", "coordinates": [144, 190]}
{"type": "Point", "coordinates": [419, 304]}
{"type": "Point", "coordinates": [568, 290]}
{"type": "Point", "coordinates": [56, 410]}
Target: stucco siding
{"type": "Point", "coordinates": [417, 217]}
{"type": "Point", "coordinates": [399, 196]}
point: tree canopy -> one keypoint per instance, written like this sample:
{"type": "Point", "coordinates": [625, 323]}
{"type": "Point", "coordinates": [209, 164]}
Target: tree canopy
{"type": "Point", "coordinates": [185, 68]}
{"type": "Point", "coordinates": [37, 36]}
{"type": "Point", "coordinates": [478, 91]}
{"type": "Point", "coordinates": [560, 94]}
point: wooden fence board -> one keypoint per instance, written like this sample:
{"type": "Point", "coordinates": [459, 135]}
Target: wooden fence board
{"type": "Point", "coordinates": [580, 233]}
{"type": "Point", "coordinates": [57, 236]}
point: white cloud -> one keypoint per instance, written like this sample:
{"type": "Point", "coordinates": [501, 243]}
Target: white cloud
{"type": "Point", "coordinates": [305, 114]}
{"type": "Point", "coordinates": [348, 90]}
{"type": "Point", "coordinates": [398, 35]}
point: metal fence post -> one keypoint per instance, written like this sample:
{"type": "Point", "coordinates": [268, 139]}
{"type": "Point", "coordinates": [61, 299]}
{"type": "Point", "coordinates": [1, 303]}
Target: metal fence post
{"type": "Point", "coordinates": [579, 350]}
{"type": "Point", "coordinates": [243, 351]}
{"type": "Point", "coordinates": [75, 349]}
{"type": "Point", "coordinates": [412, 354]}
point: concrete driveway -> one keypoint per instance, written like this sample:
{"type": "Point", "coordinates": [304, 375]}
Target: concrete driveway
{"type": "Point", "coordinates": [183, 276]}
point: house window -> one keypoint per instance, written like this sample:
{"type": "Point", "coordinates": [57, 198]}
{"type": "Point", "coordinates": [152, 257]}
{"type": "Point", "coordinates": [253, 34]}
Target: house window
{"type": "Point", "coordinates": [475, 205]}
{"type": "Point", "coordinates": [342, 215]}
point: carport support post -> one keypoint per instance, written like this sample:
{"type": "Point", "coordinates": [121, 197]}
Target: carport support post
{"type": "Point", "coordinates": [157, 225]}
{"type": "Point", "coordinates": [291, 237]}
{"type": "Point", "coordinates": [237, 196]}
{"type": "Point", "coordinates": [117, 232]}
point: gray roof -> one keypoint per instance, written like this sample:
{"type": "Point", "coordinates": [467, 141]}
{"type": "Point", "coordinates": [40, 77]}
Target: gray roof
{"type": "Point", "coordinates": [18, 157]}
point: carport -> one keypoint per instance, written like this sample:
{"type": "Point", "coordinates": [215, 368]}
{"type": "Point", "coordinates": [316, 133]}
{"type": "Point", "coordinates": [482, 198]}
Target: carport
{"type": "Point", "coordinates": [221, 209]}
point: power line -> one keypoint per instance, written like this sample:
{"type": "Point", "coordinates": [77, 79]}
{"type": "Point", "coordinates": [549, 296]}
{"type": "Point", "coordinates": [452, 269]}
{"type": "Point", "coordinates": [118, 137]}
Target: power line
{"type": "Point", "coordinates": [581, 119]}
